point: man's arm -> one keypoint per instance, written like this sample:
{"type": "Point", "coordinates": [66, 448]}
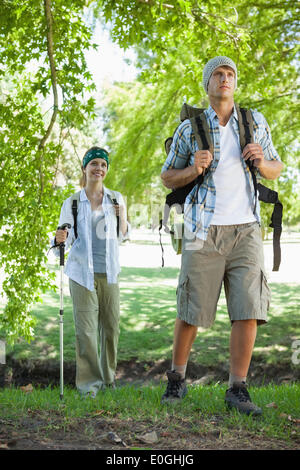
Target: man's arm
{"type": "Point", "coordinates": [269, 169]}
{"type": "Point", "coordinates": [177, 178]}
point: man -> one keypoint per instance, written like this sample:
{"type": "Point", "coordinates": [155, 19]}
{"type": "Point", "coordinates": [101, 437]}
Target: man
{"type": "Point", "coordinates": [222, 237]}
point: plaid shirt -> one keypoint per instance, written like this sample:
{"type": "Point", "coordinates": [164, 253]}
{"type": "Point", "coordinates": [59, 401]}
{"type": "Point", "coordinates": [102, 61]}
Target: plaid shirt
{"type": "Point", "coordinates": [199, 208]}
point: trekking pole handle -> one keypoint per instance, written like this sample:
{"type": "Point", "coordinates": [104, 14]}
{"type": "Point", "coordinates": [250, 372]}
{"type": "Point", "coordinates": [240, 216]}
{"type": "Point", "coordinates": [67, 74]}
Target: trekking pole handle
{"type": "Point", "coordinates": [64, 226]}
{"type": "Point", "coordinates": [62, 245]}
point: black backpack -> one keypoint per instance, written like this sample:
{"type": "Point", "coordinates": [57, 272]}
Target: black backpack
{"type": "Point", "coordinates": [202, 135]}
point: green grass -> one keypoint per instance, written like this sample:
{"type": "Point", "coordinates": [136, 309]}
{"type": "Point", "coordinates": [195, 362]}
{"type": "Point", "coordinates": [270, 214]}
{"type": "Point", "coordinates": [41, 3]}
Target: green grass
{"type": "Point", "coordinates": [204, 403]}
{"type": "Point", "coordinates": [148, 311]}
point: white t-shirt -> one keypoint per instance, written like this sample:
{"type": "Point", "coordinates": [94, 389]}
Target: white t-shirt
{"type": "Point", "coordinates": [233, 195]}
{"type": "Point", "coordinates": [99, 241]}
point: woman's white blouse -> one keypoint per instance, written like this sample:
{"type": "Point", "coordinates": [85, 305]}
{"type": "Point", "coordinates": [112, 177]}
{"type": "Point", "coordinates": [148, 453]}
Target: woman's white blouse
{"type": "Point", "coordinates": [79, 265]}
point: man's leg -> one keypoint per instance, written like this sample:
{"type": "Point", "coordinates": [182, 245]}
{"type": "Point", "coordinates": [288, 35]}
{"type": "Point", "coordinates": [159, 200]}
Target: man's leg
{"type": "Point", "coordinates": [247, 296]}
{"type": "Point", "coordinates": [184, 337]}
{"type": "Point", "coordinates": [242, 339]}
{"type": "Point", "coordinates": [198, 291]}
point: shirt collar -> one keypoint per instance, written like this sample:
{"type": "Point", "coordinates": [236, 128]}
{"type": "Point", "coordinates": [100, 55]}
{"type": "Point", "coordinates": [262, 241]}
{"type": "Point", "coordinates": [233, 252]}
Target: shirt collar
{"type": "Point", "coordinates": [212, 113]}
{"type": "Point", "coordinates": [83, 196]}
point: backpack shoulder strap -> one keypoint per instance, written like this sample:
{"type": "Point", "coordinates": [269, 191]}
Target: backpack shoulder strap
{"type": "Point", "coordinates": [75, 201]}
{"type": "Point", "coordinates": [201, 131]}
{"type": "Point", "coordinates": [187, 112]}
{"type": "Point", "coordinates": [265, 194]}
{"type": "Point", "coordinates": [203, 139]}
{"type": "Point", "coordinates": [245, 120]}
{"type": "Point", "coordinates": [199, 125]}
{"type": "Point", "coordinates": [112, 196]}
{"type": "Point", "coordinates": [270, 196]}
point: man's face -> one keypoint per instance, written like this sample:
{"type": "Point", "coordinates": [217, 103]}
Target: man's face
{"type": "Point", "coordinates": [222, 82]}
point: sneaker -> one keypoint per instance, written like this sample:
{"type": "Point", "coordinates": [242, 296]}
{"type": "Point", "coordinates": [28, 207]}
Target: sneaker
{"type": "Point", "coordinates": [238, 397]}
{"type": "Point", "coordinates": [112, 386]}
{"type": "Point", "coordinates": [176, 388]}
{"type": "Point", "coordinates": [90, 394]}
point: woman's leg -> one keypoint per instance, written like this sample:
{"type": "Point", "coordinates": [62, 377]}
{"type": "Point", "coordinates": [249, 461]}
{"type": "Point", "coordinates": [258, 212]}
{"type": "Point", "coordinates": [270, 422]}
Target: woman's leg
{"type": "Point", "coordinates": [85, 311]}
{"type": "Point", "coordinates": [109, 318]}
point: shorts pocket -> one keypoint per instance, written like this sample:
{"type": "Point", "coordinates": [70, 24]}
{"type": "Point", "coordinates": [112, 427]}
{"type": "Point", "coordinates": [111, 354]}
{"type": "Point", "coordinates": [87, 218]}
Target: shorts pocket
{"type": "Point", "coordinates": [265, 294]}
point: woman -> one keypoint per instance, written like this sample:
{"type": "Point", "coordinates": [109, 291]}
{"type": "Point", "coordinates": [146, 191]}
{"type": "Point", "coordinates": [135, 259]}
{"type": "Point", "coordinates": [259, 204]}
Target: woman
{"type": "Point", "coordinates": [93, 268]}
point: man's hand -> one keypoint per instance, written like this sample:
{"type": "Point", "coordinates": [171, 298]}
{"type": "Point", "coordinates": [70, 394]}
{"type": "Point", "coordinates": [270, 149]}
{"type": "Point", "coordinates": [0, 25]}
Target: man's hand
{"type": "Point", "coordinates": [177, 178]}
{"type": "Point", "coordinates": [202, 160]}
{"type": "Point", "coordinates": [254, 152]}
{"type": "Point", "coordinates": [269, 169]}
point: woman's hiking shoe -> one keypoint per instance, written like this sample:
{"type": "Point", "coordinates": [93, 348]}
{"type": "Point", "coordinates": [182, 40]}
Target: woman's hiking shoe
{"type": "Point", "coordinates": [238, 397]}
{"type": "Point", "coordinates": [176, 388]}
{"type": "Point", "coordinates": [90, 394]}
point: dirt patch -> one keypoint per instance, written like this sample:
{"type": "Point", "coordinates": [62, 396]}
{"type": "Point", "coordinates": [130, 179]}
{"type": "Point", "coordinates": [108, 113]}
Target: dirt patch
{"type": "Point", "coordinates": [44, 432]}
{"type": "Point", "coordinates": [40, 430]}
{"type": "Point", "coordinates": [134, 372]}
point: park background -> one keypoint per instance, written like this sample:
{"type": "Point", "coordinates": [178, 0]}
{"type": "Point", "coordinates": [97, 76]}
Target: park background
{"type": "Point", "coordinates": [80, 73]}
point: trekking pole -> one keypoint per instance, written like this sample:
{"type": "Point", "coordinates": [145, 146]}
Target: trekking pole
{"type": "Point", "coordinates": [61, 312]}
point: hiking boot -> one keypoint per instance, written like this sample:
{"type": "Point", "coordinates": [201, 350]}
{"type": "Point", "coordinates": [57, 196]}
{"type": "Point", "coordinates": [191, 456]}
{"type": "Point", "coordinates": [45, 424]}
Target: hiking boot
{"type": "Point", "coordinates": [238, 397]}
{"type": "Point", "coordinates": [111, 386]}
{"type": "Point", "coordinates": [90, 394]}
{"type": "Point", "coordinates": [176, 388]}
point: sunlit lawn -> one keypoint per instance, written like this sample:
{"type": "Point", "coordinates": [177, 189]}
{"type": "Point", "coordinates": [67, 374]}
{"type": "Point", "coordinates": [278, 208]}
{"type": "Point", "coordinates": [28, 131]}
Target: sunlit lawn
{"type": "Point", "coordinates": [148, 310]}
{"type": "Point", "coordinates": [128, 404]}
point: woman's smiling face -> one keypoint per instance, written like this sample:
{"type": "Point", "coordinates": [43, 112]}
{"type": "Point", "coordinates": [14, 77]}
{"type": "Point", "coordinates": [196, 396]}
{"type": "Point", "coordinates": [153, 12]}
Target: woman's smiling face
{"type": "Point", "coordinates": [96, 170]}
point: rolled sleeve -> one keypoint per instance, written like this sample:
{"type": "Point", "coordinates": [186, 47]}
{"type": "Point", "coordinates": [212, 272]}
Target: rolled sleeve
{"type": "Point", "coordinates": [181, 148]}
{"type": "Point", "coordinates": [66, 216]}
{"type": "Point", "coordinates": [127, 234]}
{"type": "Point", "coordinates": [263, 133]}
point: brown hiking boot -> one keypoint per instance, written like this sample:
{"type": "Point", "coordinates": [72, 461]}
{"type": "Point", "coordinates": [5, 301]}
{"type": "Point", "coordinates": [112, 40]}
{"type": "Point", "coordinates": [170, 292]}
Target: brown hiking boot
{"type": "Point", "coordinates": [176, 388]}
{"type": "Point", "coordinates": [238, 397]}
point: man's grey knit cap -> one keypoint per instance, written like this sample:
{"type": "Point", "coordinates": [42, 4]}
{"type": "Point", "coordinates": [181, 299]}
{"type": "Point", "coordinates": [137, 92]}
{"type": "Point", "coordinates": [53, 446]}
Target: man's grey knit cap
{"type": "Point", "coordinates": [214, 63]}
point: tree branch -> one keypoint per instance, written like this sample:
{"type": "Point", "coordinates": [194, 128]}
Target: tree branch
{"type": "Point", "coordinates": [286, 5]}
{"type": "Point", "coordinates": [151, 3]}
{"type": "Point", "coordinates": [50, 49]}
{"type": "Point", "coordinates": [74, 146]}
{"type": "Point", "coordinates": [287, 22]}
{"type": "Point", "coordinates": [199, 16]}
{"type": "Point", "coordinates": [217, 17]}
{"type": "Point", "coordinates": [267, 100]}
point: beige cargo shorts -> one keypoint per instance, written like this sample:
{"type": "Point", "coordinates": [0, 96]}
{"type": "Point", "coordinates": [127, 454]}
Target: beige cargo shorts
{"type": "Point", "coordinates": [232, 254]}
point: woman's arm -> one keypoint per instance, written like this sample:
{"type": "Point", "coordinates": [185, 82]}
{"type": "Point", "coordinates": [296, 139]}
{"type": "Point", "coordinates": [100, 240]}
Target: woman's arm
{"type": "Point", "coordinates": [66, 216]}
{"type": "Point", "coordinates": [122, 213]}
